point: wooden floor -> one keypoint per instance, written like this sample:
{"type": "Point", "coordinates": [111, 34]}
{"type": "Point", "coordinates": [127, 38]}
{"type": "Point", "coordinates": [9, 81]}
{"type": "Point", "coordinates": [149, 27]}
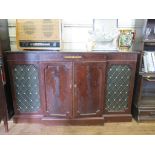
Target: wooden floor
{"type": "Point", "coordinates": [127, 128]}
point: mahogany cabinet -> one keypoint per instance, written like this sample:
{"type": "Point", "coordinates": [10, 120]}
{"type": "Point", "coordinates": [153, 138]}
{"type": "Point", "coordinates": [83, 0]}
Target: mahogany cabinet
{"type": "Point", "coordinates": [72, 88]}
{"type": "Point", "coordinates": [144, 99]}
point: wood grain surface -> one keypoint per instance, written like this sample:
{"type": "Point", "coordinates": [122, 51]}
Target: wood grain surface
{"type": "Point", "coordinates": [124, 128]}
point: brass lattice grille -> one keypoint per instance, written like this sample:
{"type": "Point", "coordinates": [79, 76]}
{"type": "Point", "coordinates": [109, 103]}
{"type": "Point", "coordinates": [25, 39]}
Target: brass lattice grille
{"type": "Point", "coordinates": [118, 88]}
{"type": "Point", "coordinates": [27, 88]}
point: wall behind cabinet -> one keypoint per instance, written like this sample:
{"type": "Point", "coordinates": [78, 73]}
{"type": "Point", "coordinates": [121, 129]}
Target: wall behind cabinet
{"type": "Point", "coordinates": [75, 32]}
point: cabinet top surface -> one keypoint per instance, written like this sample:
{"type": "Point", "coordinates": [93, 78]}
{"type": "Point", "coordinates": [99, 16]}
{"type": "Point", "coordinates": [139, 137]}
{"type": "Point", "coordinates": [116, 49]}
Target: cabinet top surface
{"type": "Point", "coordinates": [69, 56]}
{"type": "Point", "coordinates": [70, 52]}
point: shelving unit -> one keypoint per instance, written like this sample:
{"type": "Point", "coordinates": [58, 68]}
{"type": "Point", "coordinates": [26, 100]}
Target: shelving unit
{"type": "Point", "coordinates": [144, 92]}
{"type": "Point", "coordinates": [5, 46]}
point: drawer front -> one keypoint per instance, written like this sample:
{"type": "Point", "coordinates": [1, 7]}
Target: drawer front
{"type": "Point", "coordinates": [148, 92]}
{"type": "Point", "coordinates": [146, 115]}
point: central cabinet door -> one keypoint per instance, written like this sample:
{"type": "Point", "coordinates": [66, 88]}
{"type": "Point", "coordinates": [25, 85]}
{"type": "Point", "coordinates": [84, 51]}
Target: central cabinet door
{"type": "Point", "coordinates": [58, 82]}
{"type": "Point", "coordinates": [89, 78]}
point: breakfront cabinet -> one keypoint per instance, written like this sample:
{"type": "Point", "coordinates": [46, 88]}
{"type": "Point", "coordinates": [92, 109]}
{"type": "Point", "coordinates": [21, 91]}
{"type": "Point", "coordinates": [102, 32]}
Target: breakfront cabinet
{"type": "Point", "coordinates": [71, 88]}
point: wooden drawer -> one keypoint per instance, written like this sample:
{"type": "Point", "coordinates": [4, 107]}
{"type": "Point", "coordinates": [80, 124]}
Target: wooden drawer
{"type": "Point", "coordinates": [146, 115]}
{"type": "Point", "coordinates": [148, 93]}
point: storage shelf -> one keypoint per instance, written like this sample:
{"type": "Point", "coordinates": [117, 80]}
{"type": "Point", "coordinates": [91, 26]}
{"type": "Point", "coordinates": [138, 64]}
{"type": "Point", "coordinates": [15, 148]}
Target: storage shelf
{"type": "Point", "coordinates": [149, 41]}
{"type": "Point", "coordinates": [144, 74]}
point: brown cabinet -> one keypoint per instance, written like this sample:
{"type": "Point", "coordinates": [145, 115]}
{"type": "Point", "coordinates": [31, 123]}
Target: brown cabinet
{"type": "Point", "coordinates": [72, 88]}
{"type": "Point", "coordinates": [144, 98]}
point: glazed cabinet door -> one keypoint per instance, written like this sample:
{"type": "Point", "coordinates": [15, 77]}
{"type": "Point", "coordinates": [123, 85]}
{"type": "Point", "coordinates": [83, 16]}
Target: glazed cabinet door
{"type": "Point", "coordinates": [58, 89]}
{"type": "Point", "coordinates": [89, 79]}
